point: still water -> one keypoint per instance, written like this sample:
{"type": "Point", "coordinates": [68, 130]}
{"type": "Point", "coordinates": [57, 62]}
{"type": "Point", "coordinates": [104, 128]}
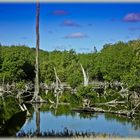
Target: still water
{"type": "Point", "coordinates": [98, 123]}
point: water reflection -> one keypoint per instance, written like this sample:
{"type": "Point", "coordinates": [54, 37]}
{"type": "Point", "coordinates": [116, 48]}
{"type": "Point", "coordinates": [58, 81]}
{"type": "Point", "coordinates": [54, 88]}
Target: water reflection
{"type": "Point", "coordinates": [14, 124]}
{"type": "Point", "coordinates": [11, 117]}
{"type": "Point", "coordinates": [46, 119]}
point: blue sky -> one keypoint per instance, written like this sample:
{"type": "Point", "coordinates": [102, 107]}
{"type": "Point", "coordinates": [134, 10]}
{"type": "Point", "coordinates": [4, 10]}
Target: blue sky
{"type": "Point", "coordinates": [64, 26]}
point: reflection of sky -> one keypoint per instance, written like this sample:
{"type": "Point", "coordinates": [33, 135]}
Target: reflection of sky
{"type": "Point", "coordinates": [96, 124]}
{"type": "Point", "coordinates": [65, 26]}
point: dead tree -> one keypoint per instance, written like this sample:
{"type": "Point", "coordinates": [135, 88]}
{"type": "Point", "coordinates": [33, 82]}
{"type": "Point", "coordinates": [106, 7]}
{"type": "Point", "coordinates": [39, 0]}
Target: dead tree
{"type": "Point", "coordinates": [86, 103]}
{"type": "Point", "coordinates": [36, 97]}
{"type": "Point", "coordinates": [58, 82]}
{"type": "Point", "coordinates": [85, 75]}
{"type": "Point", "coordinates": [24, 108]}
{"type": "Point", "coordinates": [58, 89]}
{"type": "Point", "coordinates": [37, 53]}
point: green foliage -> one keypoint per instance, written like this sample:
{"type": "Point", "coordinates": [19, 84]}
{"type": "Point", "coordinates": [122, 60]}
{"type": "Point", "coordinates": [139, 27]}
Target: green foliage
{"type": "Point", "coordinates": [86, 92]}
{"type": "Point", "coordinates": [115, 62]}
{"type": "Point", "coordinates": [50, 96]}
{"type": "Point", "coordinates": [17, 64]}
{"type": "Point", "coordinates": [20, 85]}
{"type": "Point", "coordinates": [73, 99]}
{"type": "Point", "coordinates": [47, 72]}
{"type": "Point", "coordinates": [0, 58]}
{"type": "Point", "coordinates": [75, 79]}
{"type": "Point", "coordinates": [112, 95]}
{"type": "Point", "coordinates": [8, 108]}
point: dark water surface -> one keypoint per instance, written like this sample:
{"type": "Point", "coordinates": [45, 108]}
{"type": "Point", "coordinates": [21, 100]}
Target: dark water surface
{"type": "Point", "coordinates": [62, 118]}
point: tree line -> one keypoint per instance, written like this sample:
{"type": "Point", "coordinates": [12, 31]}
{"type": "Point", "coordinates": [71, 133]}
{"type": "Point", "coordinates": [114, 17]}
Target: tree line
{"type": "Point", "coordinates": [115, 62]}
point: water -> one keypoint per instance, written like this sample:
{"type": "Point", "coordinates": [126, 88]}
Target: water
{"type": "Point", "coordinates": [98, 123]}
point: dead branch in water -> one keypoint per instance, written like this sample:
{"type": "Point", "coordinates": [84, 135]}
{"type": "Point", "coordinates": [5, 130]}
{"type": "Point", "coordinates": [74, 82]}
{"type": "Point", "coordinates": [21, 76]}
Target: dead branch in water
{"type": "Point", "coordinates": [126, 113]}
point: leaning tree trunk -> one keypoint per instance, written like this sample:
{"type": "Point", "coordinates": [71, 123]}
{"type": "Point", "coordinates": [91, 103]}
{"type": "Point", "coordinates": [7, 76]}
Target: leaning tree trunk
{"type": "Point", "coordinates": [57, 79]}
{"type": "Point", "coordinates": [85, 75]}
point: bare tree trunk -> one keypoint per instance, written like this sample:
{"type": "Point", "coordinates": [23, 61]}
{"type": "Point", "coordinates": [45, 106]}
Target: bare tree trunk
{"type": "Point", "coordinates": [36, 97]}
{"type": "Point", "coordinates": [85, 75]}
{"type": "Point", "coordinates": [37, 53]}
{"type": "Point", "coordinates": [57, 79]}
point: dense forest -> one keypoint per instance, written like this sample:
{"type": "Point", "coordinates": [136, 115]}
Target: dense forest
{"type": "Point", "coordinates": [115, 62]}
{"type": "Point", "coordinates": [113, 75]}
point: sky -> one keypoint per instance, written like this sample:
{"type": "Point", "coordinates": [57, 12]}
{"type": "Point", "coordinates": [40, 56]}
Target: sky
{"type": "Point", "coordinates": [64, 26]}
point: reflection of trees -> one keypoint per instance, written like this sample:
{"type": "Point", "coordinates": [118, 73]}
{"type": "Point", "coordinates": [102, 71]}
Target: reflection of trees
{"type": "Point", "coordinates": [87, 115]}
{"type": "Point", "coordinates": [135, 122]}
{"type": "Point", "coordinates": [9, 108]}
{"type": "Point", "coordinates": [37, 113]}
{"type": "Point", "coordinates": [61, 110]}
{"type": "Point", "coordinates": [11, 117]}
{"type": "Point", "coordinates": [37, 121]}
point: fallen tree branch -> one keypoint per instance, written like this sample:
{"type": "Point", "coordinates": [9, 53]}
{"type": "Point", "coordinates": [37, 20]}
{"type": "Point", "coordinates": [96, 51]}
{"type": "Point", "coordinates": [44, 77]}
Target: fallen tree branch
{"type": "Point", "coordinates": [112, 102]}
{"type": "Point", "coordinates": [94, 109]}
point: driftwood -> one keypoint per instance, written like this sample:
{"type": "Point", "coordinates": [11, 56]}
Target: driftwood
{"type": "Point", "coordinates": [10, 90]}
{"type": "Point", "coordinates": [24, 108]}
{"type": "Point", "coordinates": [132, 112]}
{"type": "Point", "coordinates": [6, 90]}
{"type": "Point", "coordinates": [52, 102]}
{"type": "Point", "coordinates": [86, 102]}
{"type": "Point", "coordinates": [127, 113]}
{"type": "Point", "coordinates": [94, 109]}
{"type": "Point", "coordinates": [29, 87]}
